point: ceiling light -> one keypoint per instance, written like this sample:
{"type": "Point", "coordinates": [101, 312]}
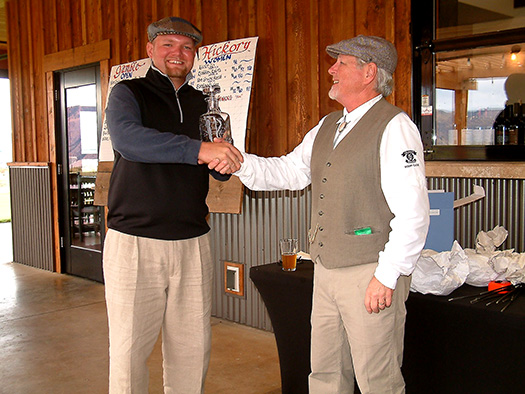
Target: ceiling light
{"type": "Point", "coordinates": [514, 52]}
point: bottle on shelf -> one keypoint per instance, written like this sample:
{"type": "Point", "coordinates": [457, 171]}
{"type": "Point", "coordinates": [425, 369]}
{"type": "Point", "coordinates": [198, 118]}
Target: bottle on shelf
{"type": "Point", "coordinates": [514, 123]}
{"type": "Point", "coordinates": [501, 127]}
{"type": "Point", "coordinates": [214, 123]}
{"type": "Point", "coordinates": [521, 134]}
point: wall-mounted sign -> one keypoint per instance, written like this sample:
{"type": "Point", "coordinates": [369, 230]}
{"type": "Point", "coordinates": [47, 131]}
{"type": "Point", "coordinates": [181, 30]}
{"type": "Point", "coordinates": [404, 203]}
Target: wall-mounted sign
{"type": "Point", "coordinates": [136, 69]}
{"type": "Point", "coordinates": [230, 65]}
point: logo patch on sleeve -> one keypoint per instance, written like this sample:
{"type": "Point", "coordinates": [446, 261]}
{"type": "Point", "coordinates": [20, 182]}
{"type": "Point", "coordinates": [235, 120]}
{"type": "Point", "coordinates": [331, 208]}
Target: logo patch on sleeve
{"type": "Point", "coordinates": [410, 158]}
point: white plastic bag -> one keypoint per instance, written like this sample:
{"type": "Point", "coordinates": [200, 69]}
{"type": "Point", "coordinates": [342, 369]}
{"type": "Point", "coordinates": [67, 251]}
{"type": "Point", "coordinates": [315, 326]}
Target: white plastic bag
{"type": "Point", "coordinates": [482, 261]}
{"type": "Point", "coordinates": [481, 270]}
{"type": "Point", "coordinates": [487, 242]}
{"type": "Point", "coordinates": [510, 266]}
{"type": "Point", "coordinates": [440, 273]}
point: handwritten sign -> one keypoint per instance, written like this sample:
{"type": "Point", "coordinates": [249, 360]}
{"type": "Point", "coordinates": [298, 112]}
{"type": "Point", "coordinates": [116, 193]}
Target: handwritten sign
{"type": "Point", "coordinates": [230, 65]}
{"type": "Point", "coordinates": [137, 69]}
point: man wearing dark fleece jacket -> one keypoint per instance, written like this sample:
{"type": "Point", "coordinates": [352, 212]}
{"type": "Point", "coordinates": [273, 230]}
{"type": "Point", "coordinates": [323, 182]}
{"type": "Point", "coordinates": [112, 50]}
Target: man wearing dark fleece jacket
{"type": "Point", "coordinates": [157, 260]}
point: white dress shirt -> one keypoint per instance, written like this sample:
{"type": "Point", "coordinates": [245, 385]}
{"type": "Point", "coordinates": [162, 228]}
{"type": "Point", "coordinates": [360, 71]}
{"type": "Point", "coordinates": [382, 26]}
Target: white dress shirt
{"type": "Point", "coordinates": [402, 180]}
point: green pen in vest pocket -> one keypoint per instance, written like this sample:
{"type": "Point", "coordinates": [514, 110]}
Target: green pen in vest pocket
{"type": "Point", "coordinates": [363, 231]}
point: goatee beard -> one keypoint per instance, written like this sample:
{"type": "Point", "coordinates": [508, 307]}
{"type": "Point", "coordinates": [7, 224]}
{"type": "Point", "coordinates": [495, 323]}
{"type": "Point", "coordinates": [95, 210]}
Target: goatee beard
{"type": "Point", "coordinates": [331, 94]}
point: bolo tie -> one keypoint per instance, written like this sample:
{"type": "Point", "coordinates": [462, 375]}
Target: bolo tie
{"type": "Point", "coordinates": [342, 126]}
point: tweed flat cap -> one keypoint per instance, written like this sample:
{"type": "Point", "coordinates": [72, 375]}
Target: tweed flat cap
{"type": "Point", "coordinates": [174, 25]}
{"type": "Point", "coordinates": [371, 49]}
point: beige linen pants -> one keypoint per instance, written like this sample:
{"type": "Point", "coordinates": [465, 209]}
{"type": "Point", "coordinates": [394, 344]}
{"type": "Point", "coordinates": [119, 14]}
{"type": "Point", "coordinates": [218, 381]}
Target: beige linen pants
{"type": "Point", "coordinates": [152, 284]}
{"type": "Point", "coordinates": [347, 340]}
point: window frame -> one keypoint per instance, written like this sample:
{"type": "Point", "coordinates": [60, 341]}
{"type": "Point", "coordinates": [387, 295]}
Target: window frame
{"type": "Point", "coordinates": [424, 50]}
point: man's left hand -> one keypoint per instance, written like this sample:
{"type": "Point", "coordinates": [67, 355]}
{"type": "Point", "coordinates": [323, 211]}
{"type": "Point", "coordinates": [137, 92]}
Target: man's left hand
{"type": "Point", "coordinates": [377, 296]}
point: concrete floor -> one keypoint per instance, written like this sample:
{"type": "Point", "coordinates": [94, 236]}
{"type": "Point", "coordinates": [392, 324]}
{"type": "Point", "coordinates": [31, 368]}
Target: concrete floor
{"type": "Point", "coordinates": [53, 339]}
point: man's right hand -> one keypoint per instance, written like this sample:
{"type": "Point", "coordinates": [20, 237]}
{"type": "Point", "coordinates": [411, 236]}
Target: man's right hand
{"type": "Point", "coordinates": [220, 156]}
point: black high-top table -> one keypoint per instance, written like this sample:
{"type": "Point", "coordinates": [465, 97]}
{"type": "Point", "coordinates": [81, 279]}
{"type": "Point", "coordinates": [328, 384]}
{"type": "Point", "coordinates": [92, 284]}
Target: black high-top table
{"type": "Point", "coordinates": [288, 299]}
{"type": "Point", "coordinates": [450, 346]}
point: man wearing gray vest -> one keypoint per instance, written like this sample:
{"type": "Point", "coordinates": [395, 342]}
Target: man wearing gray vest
{"type": "Point", "coordinates": [370, 216]}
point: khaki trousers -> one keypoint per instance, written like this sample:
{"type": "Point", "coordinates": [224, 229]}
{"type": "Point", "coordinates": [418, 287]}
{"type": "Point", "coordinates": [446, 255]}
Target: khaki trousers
{"type": "Point", "coordinates": [152, 284]}
{"type": "Point", "coordinates": [348, 341]}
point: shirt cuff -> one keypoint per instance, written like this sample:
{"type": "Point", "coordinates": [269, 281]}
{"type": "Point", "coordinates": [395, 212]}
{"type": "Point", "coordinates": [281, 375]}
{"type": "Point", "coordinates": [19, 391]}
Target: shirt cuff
{"type": "Point", "coordinates": [244, 164]}
{"type": "Point", "coordinates": [387, 275]}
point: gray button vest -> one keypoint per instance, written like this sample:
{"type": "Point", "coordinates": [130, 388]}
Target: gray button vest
{"type": "Point", "coordinates": [346, 191]}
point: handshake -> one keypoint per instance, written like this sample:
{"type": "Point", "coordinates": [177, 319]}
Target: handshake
{"type": "Point", "coordinates": [220, 156]}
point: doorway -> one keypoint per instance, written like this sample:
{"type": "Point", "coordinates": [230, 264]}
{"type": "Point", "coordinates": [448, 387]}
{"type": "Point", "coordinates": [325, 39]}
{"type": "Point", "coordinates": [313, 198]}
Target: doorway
{"type": "Point", "coordinates": [79, 121]}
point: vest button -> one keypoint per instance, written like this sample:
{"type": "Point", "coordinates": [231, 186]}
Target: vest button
{"type": "Point", "coordinates": [328, 164]}
{"type": "Point", "coordinates": [321, 213]}
{"type": "Point", "coordinates": [321, 196]}
{"type": "Point", "coordinates": [321, 228]}
{"type": "Point", "coordinates": [320, 244]}
{"type": "Point", "coordinates": [324, 180]}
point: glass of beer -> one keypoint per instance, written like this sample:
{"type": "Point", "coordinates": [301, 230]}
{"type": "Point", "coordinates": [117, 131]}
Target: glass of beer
{"type": "Point", "coordinates": [289, 253]}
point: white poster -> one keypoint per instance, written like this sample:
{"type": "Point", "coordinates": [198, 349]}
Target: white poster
{"type": "Point", "coordinates": [229, 64]}
{"type": "Point", "coordinates": [137, 69]}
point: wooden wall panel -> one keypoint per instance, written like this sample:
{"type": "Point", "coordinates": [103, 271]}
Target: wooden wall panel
{"type": "Point", "coordinates": [148, 13]}
{"type": "Point", "coordinates": [215, 29]}
{"type": "Point", "coordinates": [291, 81]}
{"type": "Point", "coordinates": [30, 89]}
{"type": "Point", "coordinates": [339, 16]}
{"type": "Point", "coordinates": [241, 19]}
{"type": "Point", "coordinates": [169, 8]}
{"type": "Point", "coordinates": [106, 28]}
{"type": "Point", "coordinates": [64, 25]}
{"type": "Point", "coordinates": [302, 32]}
{"type": "Point", "coordinates": [93, 19]}
{"type": "Point", "coordinates": [114, 28]}
{"type": "Point", "coordinates": [78, 25]}
{"type": "Point", "coordinates": [370, 17]}
{"type": "Point", "coordinates": [270, 108]}
{"type": "Point", "coordinates": [50, 28]}
{"type": "Point", "coordinates": [128, 30]}
{"type": "Point", "coordinates": [27, 102]}
{"type": "Point", "coordinates": [39, 112]}
{"type": "Point", "coordinates": [403, 76]}
{"type": "Point", "coordinates": [191, 10]}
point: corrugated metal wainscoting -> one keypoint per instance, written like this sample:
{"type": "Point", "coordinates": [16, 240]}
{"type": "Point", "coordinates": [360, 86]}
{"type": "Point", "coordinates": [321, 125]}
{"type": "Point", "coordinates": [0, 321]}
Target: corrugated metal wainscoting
{"type": "Point", "coordinates": [503, 205]}
{"type": "Point", "coordinates": [31, 216]}
{"type": "Point", "coordinates": [252, 237]}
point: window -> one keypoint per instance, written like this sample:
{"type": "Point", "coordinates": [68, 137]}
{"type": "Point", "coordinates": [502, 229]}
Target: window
{"type": "Point", "coordinates": [469, 85]}
{"type": "Point", "coordinates": [6, 154]}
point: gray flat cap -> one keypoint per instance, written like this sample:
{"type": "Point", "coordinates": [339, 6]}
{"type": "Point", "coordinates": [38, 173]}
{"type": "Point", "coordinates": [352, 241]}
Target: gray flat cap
{"type": "Point", "coordinates": [174, 25]}
{"type": "Point", "coordinates": [371, 49]}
